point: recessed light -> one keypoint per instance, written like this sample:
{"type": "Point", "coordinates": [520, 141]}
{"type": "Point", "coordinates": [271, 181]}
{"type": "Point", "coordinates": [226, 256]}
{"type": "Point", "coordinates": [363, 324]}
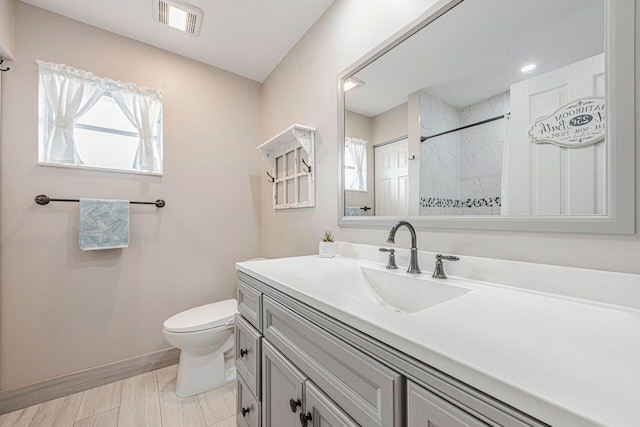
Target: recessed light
{"type": "Point", "coordinates": [528, 68]}
{"type": "Point", "coordinates": [352, 83]}
{"type": "Point", "coordinates": [179, 15]}
{"type": "Point", "coordinates": [178, 18]}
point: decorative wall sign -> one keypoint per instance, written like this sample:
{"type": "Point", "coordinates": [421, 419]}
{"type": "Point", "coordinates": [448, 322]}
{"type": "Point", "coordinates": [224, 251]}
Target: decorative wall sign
{"type": "Point", "coordinates": [576, 124]}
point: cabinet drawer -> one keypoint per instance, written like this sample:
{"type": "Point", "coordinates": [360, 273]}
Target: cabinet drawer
{"type": "Point", "coordinates": [248, 408]}
{"type": "Point", "coordinates": [367, 390]}
{"type": "Point", "coordinates": [247, 354]}
{"type": "Point", "coordinates": [250, 304]}
{"type": "Point", "coordinates": [426, 408]}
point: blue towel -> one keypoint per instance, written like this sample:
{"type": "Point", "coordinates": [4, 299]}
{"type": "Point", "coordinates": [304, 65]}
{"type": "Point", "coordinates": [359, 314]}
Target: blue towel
{"type": "Point", "coordinates": [104, 224]}
{"type": "Point", "coordinates": [352, 211]}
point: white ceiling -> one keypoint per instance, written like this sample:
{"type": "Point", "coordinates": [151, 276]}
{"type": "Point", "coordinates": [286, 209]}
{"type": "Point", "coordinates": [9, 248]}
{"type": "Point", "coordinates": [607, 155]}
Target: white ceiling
{"type": "Point", "coordinates": [476, 51]}
{"type": "Point", "coordinates": [246, 37]}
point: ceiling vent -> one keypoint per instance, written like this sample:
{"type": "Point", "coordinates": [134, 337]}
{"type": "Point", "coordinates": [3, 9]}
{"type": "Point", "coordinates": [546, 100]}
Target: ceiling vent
{"type": "Point", "coordinates": [178, 15]}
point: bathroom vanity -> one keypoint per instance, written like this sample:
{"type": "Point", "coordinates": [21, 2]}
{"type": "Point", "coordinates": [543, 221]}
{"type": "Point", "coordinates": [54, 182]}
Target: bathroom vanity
{"type": "Point", "coordinates": [344, 342]}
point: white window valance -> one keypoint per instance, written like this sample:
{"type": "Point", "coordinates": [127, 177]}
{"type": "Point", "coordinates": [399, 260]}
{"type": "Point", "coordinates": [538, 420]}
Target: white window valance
{"type": "Point", "coordinates": [350, 140]}
{"type": "Point", "coordinates": [69, 93]}
{"type": "Point", "coordinates": [108, 84]}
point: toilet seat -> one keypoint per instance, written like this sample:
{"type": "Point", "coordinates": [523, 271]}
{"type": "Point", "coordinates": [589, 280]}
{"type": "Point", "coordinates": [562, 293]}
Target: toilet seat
{"type": "Point", "coordinates": [216, 315]}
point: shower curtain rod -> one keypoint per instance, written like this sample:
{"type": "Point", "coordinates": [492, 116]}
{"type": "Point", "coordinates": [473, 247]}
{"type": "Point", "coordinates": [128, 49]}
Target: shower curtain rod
{"type": "Point", "coordinates": [424, 138]}
{"type": "Point", "coordinates": [43, 199]}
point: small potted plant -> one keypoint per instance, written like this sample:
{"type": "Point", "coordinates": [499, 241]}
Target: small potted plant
{"type": "Point", "coordinates": [327, 248]}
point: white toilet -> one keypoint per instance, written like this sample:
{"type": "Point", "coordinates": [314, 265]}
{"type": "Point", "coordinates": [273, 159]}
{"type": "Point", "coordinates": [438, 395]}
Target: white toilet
{"type": "Point", "coordinates": [205, 338]}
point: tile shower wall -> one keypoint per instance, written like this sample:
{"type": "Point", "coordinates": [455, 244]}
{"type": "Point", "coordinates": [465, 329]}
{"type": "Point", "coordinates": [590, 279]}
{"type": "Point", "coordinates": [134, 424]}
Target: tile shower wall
{"type": "Point", "coordinates": [461, 172]}
{"type": "Point", "coordinates": [439, 157]}
{"type": "Point", "coordinates": [481, 150]}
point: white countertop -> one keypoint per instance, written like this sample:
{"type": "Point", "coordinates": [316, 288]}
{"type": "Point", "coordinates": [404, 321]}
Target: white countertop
{"type": "Point", "coordinates": [565, 361]}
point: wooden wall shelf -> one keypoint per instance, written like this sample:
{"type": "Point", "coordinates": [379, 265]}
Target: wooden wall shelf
{"type": "Point", "coordinates": [290, 156]}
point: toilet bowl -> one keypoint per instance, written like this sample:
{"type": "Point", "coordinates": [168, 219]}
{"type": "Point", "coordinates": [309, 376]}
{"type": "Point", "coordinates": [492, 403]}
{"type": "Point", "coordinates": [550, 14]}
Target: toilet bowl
{"type": "Point", "coordinates": [205, 338]}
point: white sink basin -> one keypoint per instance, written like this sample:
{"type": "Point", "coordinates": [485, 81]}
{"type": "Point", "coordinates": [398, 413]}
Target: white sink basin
{"type": "Point", "coordinates": [408, 294]}
{"type": "Point", "coordinates": [394, 290]}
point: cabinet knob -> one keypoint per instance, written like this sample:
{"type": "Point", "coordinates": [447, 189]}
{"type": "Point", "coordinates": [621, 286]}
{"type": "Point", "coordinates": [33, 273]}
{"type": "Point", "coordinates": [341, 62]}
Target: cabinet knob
{"type": "Point", "coordinates": [245, 411]}
{"type": "Point", "coordinates": [243, 352]}
{"type": "Point", "coordinates": [293, 404]}
{"type": "Point", "coordinates": [304, 419]}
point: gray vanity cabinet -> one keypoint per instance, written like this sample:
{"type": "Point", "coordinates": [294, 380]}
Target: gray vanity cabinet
{"type": "Point", "coordinates": [307, 369]}
{"type": "Point", "coordinates": [425, 409]}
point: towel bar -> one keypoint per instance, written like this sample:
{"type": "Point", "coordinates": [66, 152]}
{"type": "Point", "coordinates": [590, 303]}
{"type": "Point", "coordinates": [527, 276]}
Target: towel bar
{"type": "Point", "coordinates": [43, 199]}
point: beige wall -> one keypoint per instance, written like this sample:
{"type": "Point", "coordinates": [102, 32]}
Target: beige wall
{"type": "Point", "coordinates": [6, 29]}
{"type": "Point", "coordinates": [359, 126]}
{"type": "Point", "coordinates": [391, 124]}
{"type": "Point", "coordinates": [63, 310]}
{"type": "Point", "coordinates": [328, 48]}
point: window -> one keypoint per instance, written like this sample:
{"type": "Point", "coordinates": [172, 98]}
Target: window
{"type": "Point", "coordinates": [98, 123]}
{"type": "Point", "coordinates": [355, 164]}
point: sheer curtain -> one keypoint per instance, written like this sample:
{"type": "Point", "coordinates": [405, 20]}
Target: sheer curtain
{"type": "Point", "coordinates": [143, 108]}
{"type": "Point", "coordinates": [358, 151]}
{"type": "Point", "coordinates": [70, 93]}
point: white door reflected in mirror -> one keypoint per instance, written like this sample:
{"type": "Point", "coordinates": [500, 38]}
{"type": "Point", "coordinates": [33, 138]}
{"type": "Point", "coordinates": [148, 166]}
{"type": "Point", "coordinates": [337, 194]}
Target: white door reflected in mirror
{"type": "Point", "coordinates": [392, 178]}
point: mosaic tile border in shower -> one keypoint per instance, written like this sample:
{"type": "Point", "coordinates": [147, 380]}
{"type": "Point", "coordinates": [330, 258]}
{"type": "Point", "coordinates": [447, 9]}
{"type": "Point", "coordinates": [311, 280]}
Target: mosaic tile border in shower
{"type": "Point", "coordinates": [436, 202]}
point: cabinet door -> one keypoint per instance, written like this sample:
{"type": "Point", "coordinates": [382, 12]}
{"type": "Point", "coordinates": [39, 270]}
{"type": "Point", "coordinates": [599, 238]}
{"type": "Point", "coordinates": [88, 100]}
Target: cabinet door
{"type": "Point", "coordinates": [320, 411]}
{"type": "Point", "coordinates": [425, 409]}
{"type": "Point", "coordinates": [281, 389]}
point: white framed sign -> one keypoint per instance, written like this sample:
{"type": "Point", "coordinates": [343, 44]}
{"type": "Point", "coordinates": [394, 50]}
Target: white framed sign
{"type": "Point", "coordinates": [577, 124]}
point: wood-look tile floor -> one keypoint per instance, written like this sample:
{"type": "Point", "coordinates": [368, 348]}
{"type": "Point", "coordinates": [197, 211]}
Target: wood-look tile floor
{"type": "Point", "coordinates": [146, 400]}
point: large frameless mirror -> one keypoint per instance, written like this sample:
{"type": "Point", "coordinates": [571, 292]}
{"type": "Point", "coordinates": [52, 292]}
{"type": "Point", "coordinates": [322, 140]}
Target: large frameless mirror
{"type": "Point", "coordinates": [494, 114]}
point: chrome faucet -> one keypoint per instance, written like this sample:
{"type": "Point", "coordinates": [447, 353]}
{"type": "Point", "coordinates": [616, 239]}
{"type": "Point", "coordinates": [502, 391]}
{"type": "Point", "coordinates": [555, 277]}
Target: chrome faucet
{"type": "Point", "coordinates": [413, 263]}
{"type": "Point", "coordinates": [438, 272]}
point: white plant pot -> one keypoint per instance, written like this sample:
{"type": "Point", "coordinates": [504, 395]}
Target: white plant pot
{"type": "Point", "coordinates": [327, 249]}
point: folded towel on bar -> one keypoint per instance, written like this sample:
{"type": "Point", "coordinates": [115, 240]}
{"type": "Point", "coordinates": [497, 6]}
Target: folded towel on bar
{"type": "Point", "coordinates": [352, 211]}
{"type": "Point", "coordinates": [104, 224]}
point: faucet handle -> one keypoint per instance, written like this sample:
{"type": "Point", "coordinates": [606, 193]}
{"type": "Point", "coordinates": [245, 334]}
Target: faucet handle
{"type": "Point", "coordinates": [440, 257]}
{"type": "Point", "coordinates": [391, 265]}
{"type": "Point", "coordinates": [438, 272]}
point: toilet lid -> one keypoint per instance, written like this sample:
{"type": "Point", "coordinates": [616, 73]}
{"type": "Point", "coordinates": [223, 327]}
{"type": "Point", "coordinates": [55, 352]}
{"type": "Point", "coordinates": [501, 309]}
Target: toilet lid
{"type": "Point", "coordinates": [204, 317]}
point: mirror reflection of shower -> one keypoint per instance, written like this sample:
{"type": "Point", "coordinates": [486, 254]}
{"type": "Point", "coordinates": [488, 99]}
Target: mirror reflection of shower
{"type": "Point", "coordinates": [461, 152]}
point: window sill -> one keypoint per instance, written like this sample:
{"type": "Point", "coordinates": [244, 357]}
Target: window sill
{"type": "Point", "coordinates": [356, 191]}
{"type": "Point", "coordinates": [99, 169]}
